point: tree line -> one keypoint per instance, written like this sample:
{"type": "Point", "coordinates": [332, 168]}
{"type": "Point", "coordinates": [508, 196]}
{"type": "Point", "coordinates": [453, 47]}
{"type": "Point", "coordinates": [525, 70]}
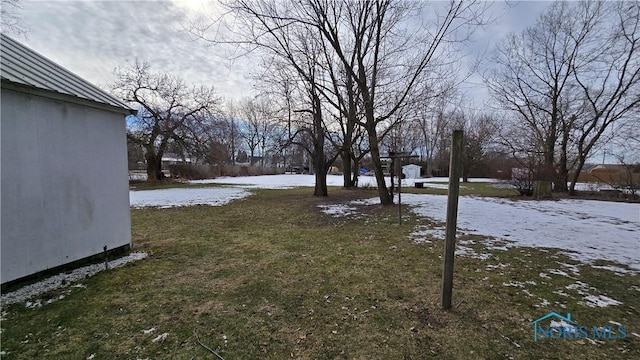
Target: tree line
{"type": "Point", "coordinates": [349, 81]}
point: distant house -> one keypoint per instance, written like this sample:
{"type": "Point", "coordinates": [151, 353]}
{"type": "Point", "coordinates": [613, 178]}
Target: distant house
{"type": "Point", "coordinates": [606, 169]}
{"type": "Point", "coordinates": [173, 159]}
{"type": "Point", "coordinates": [64, 166]}
{"type": "Point", "coordinates": [411, 171]}
{"type": "Point", "coordinates": [625, 175]}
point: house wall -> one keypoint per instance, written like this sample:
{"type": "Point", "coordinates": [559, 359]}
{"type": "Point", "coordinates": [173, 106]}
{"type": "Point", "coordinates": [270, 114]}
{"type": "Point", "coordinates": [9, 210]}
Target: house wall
{"type": "Point", "coordinates": [64, 183]}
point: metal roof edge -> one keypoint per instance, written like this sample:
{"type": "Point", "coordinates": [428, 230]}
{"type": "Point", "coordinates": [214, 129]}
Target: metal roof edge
{"type": "Point", "coordinates": [71, 84]}
{"type": "Point", "coordinates": [54, 95]}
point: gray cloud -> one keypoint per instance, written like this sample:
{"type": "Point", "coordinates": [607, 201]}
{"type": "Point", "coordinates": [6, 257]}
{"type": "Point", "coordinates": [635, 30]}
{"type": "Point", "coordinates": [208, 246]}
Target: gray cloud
{"type": "Point", "coordinates": [92, 38]}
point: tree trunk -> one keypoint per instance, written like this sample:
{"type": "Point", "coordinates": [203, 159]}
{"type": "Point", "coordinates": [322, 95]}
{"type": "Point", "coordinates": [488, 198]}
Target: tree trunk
{"type": "Point", "coordinates": [560, 184]}
{"type": "Point", "coordinates": [251, 151]}
{"type": "Point", "coordinates": [154, 166]}
{"type": "Point", "coordinates": [385, 197]}
{"type": "Point", "coordinates": [320, 166]}
{"type": "Point", "coordinates": [345, 156]}
{"type": "Point", "coordinates": [351, 123]}
{"type": "Point", "coordinates": [542, 190]}
{"type": "Point", "coordinates": [356, 172]}
{"type": "Point", "coordinates": [574, 177]}
{"type": "Point", "coordinates": [466, 164]}
{"type": "Point", "coordinates": [429, 171]}
{"type": "Point", "coordinates": [320, 188]}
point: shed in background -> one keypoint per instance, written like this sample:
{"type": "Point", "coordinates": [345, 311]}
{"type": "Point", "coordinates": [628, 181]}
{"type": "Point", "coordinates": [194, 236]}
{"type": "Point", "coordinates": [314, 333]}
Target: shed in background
{"type": "Point", "coordinates": [411, 171]}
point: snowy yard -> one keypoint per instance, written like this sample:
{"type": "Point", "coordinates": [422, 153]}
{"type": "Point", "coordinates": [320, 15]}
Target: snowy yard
{"type": "Point", "coordinates": [251, 272]}
{"type": "Point", "coordinates": [586, 230]}
{"type": "Point", "coordinates": [238, 188]}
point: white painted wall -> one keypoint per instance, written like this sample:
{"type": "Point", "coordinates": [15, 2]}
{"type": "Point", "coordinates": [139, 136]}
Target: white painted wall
{"type": "Point", "coordinates": [64, 183]}
{"type": "Point", "coordinates": [411, 171]}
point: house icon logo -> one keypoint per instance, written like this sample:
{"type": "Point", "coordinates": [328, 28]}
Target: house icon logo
{"type": "Point", "coordinates": [564, 323]}
{"type": "Point", "coordinates": [563, 328]}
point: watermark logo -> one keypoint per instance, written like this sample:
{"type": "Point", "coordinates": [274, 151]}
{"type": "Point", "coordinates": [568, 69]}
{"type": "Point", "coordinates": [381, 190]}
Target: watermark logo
{"type": "Point", "coordinates": [563, 327]}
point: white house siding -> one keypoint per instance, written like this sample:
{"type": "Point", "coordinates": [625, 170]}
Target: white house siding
{"type": "Point", "coordinates": [64, 183]}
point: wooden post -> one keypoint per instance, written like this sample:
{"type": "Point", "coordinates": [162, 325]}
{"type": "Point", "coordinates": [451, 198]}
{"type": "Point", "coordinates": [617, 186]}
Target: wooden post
{"type": "Point", "coordinates": [452, 218]}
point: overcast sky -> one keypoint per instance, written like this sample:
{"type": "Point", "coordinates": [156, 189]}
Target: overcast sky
{"type": "Point", "coordinates": [92, 38]}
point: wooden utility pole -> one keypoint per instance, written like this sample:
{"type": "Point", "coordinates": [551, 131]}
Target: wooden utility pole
{"type": "Point", "coordinates": [452, 218]}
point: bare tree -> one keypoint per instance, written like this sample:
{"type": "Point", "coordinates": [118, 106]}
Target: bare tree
{"type": "Point", "coordinates": [216, 142]}
{"type": "Point", "coordinates": [344, 96]}
{"type": "Point", "coordinates": [258, 127]}
{"type": "Point", "coordinates": [534, 78]}
{"type": "Point", "coordinates": [430, 121]}
{"type": "Point", "coordinates": [294, 46]}
{"type": "Point", "coordinates": [569, 78]}
{"type": "Point", "coordinates": [169, 111]}
{"type": "Point", "coordinates": [608, 78]}
{"type": "Point", "coordinates": [232, 137]}
{"type": "Point", "coordinates": [387, 62]}
{"type": "Point", "coordinates": [480, 132]}
{"type": "Point", "coordinates": [384, 49]}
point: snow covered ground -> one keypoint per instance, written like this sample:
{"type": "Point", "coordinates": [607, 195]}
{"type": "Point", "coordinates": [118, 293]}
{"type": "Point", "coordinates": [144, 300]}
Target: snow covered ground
{"type": "Point", "coordinates": [166, 198]}
{"type": "Point", "coordinates": [290, 181]}
{"type": "Point", "coordinates": [239, 186]}
{"type": "Point", "coordinates": [587, 230]}
{"type": "Point", "coordinates": [62, 280]}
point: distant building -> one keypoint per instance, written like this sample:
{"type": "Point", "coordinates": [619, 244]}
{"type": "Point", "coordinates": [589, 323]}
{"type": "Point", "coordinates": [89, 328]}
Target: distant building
{"type": "Point", "coordinates": [64, 166]}
{"type": "Point", "coordinates": [173, 159]}
{"type": "Point", "coordinates": [411, 171]}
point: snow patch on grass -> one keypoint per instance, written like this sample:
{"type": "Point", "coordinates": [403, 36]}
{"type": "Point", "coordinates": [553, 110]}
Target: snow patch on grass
{"type": "Point", "coordinates": [471, 253]}
{"type": "Point", "coordinates": [559, 272]}
{"type": "Point", "coordinates": [573, 268]}
{"type": "Point", "coordinates": [498, 266]}
{"type": "Point", "coordinates": [599, 301]}
{"type": "Point", "coordinates": [564, 325]}
{"type": "Point", "coordinates": [561, 293]}
{"type": "Point", "coordinates": [620, 271]}
{"type": "Point", "coordinates": [62, 280]}
{"type": "Point", "coordinates": [580, 227]}
{"type": "Point", "coordinates": [545, 276]}
{"type": "Point", "coordinates": [338, 210]}
{"type": "Point", "coordinates": [421, 235]}
{"type": "Point", "coordinates": [175, 197]}
{"type": "Point", "coordinates": [366, 202]}
{"type": "Point", "coordinates": [591, 300]}
{"type": "Point", "coordinates": [580, 287]}
{"type": "Point", "coordinates": [160, 337]}
{"type": "Point", "coordinates": [515, 284]}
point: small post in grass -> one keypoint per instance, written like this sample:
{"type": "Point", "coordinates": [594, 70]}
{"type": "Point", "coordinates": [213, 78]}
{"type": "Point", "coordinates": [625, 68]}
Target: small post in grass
{"type": "Point", "coordinates": [398, 171]}
{"type": "Point", "coordinates": [452, 218]}
{"type": "Point", "coordinates": [106, 258]}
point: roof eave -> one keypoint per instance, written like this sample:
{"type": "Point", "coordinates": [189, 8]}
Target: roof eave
{"type": "Point", "coordinates": [32, 90]}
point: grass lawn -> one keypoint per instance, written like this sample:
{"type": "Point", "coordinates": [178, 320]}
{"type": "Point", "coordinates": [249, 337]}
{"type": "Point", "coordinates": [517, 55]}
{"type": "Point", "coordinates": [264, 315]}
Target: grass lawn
{"type": "Point", "coordinates": [272, 277]}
